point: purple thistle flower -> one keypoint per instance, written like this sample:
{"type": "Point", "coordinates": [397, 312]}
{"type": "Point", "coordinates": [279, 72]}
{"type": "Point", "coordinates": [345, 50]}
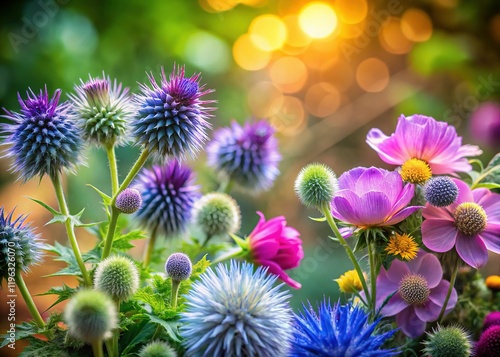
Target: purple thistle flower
{"type": "Point", "coordinates": [247, 154]}
{"type": "Point", "coordinates": [419, 290]}
{"type": "Point", "coordinates": [171, 119]}
{"type": "Point", "coordinates": [372, 197]}
{"type": "Point", "coordinates": [168, 196]}
{"type": "Point", "coordinates": [178, 267]}
{"type": "Point", "coordinates": [103, 109]}
{"type": "Point", "coordinates": [489, 343]}
{"type": "Point", "coordinates": [471, 224]}
{"type": "Point", "coordinates": [128, 201]}
{"type": "Point", "coordinates": [43, 138]}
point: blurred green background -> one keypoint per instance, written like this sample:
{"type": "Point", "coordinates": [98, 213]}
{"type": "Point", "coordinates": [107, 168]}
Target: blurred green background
{"type": "Point", "coordinates": [323, 73]}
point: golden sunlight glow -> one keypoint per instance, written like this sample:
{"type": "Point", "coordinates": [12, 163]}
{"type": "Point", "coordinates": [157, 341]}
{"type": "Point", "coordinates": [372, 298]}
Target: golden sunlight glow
{"type": "Point", "coordinates": [337, 72]}
{"type": "Point", "coordinates": [289, 74]}
{"type": "Point", "coordinates": [322, 99]}
{"type": "Point", "coordinates": [318, 19]}
{"type": "Point", "coordinates": [351, 11]}
{"type": "Point", "coordinates": [295, 36]}
{"type": "Point", "coordinates": [392, 38]}
{"type": "Point", "coordinates": [416, 25]}
{"type": "Point", "coordinates": [290, 117]}
{"type": "Point", "coordinates": [264, 99]}
{"type": "Point", "coordinates": [372, 75]}
{"type": "Point", "coordinates": [249, 57]}
{"type": "Point", "coordinates": [268, 32]}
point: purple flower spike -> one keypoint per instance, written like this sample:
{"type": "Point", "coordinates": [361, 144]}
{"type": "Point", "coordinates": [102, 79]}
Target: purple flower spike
{"type": "Point", "coordinates": [372, 197]}
{"type": "Point", "coordinates": [171, 119]}
{"type": "Point", "coordinates": [168, 196]}
{"type": "Point", "coordinates": [425, 139]}
{"type": "Point", "coordinates": [248, 155]}
{"type": "Point", "coordinates": [43, 139]}
{"type": "Point", "coordinates": [471, 224]}
{"type": "Point", "coordinates": [420, 292]}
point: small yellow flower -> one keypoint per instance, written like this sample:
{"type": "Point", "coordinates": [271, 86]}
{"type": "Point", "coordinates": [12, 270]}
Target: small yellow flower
{"type": "Point", "coordinates": [403, 245]}
{"type": "Point", "coordinates": [350, 282]}
{"type": "Point", "coordinates": [493, 282]}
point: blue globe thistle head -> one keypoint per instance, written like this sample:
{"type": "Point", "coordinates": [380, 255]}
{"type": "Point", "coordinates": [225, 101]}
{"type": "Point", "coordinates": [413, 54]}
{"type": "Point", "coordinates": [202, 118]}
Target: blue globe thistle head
{"type": "Point", "coordinates": [236, 311]}
{"type": "Point", "coordinates": [338, 330]}
{"type": "Point", "coordinates": [168, 196]}
{"type": "Point", "coordinates": [18, 245]}
{"type": "Point", "coordinates": [43, 138]}
{"type": "Point", "coordinates": [178, 267]}
{"type": "Point", "coordinates": [103, 109]}
{"type": "Point", "coordinates": [129, 201]}
{"type": "Point", "coordinates": [247, 155]}
{"type": "Point", "coordinates": [440, 191]}
{"type": "Point", "coordinates": [170, 117]}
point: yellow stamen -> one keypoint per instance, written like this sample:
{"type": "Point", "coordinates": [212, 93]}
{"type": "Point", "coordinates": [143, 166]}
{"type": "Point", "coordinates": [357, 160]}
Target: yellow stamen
{"type": "Point", "coordinates": [403, 245]}
{"type": "Point", "coordinates": [350, 282]}
{"type": "Point", "coordinates": [416, 171]}
{"type": "Point", "coordinates": [470, 218]}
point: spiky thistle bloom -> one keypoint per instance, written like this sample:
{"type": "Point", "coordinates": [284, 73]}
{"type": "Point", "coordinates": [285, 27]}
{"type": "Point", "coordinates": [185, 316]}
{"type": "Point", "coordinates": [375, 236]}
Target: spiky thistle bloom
{"type": "Point", "coordinates": [489, 343]}
{"type": "Point", "coordinates": [402, 245]}
{"type": "Point", "coordinates": [492, 319]}
{"type": "Point", "coordinates": [350, 282]}
{"type": "Point", "coordinates": [247, 155]}
{"type": "Point", "coordinates": [90, 315]}
{"type": "Point", "coordinates": [217, 213]}
{"type": "Point", "coordinates": [170, 117]}
{"type": "Point", "coordinates": [168, 196]}
{"type": "Point", "coordinates": [157, 349]}
{"type": "Point", "coordinates": [234, 311]}
{"type": "Point", "coordinates": [178, 267]}
{"type": "Point", "coordinates": [450, 341]}
{"type": "Point", "coordinates": [440, 191]}
{"type": "Point", "coordinates": [339, 330]}
{"type": "Point", "coordinates": [316, 185]}
{"type": "Point", "coordinates": [118, 277]}
{"type": "Point", "coordinates": [103, 109]}
{"type": "Point", "coordinates": [18, 244]}
{"type": "Point", "coordinates": [129, 201]}
{"type": "Point", "coordinates": [43, 139]}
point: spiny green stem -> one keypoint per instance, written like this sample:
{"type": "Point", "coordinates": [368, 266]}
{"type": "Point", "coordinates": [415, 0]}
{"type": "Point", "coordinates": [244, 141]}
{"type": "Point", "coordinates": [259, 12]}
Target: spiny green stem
{"type": "Point", "coordinates": [97, 348]}
{"type": "Point", "coordinates": [325, 209]}
{"type": "Point", "coordinates": [175, 290]}
{"type": "Point", "coordinates": [70, 230]}
{"type": "Point", "coordinates": [141, 160]}
{"type": "Point", "coordinates": [113, 169]}
{"type": "Point", "coordinates": [29, 300]}
{"type": "Point", "coordinates": [150, 246]}
{"type": "Point", "coordinates": [454, 274]}
{"type": "Point", "coordinates": [111, 232]}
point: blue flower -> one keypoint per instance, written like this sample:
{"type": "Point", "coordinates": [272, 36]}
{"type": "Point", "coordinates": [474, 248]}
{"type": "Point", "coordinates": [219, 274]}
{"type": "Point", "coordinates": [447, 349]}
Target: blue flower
{"type": "Point", "coordinates": [43, 139]}
{"type": "Point", "coordinates": [18, 245]}
{"type": "Point", "coordinates": [247, 155]}
{"type": "Point", "coordinates": [170, 119]}
{"type": "Point", "coordinates": [338, 331]}
{"type": "Point", "coordinates": [236, 312]}
{"type": "Point", "coordinates": [168, 196]}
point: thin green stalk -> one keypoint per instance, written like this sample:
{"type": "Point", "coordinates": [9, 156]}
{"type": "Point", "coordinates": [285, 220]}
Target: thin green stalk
{"type": "Point", "coordinates": [111, 232]}
{"type": "Point", "coordinates": [150, 247]}
{"type": "Point", "coordinates": [175, 292]}
{"type": "Point", "coordinates": [325, 209]}
{"type": "Point", "coordinates": [29, 301]}
{"type": "Point", "coordinates": [454, 274]}
{"type": "Point", "coordinates": [373, 276]}
{"type": "Point", "coordinates": [141, 160]}
{"type": "Point", "coordinates": [113, 169]}
{"type": "Point", "coordinates": [116, 333]}
{"type": "Point", "coordinates": [97, 348]}
{"type": "Point", "coordinates": [233, 253]}
{"type": "Point", "coordinates": [70, 230]}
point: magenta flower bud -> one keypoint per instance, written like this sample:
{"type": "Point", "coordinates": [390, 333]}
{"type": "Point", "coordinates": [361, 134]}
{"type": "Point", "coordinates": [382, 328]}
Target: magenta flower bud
{"type": "Point", "coordinates": [129, 201]}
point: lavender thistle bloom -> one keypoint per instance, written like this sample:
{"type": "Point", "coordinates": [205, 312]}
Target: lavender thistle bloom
{"type": "Point", "coordinates": [171, 119]}
{"type": "Point", "coordinates": [236, 312]}
{"type": "Point", "coordinates": [168, 196]}
{"type": "Point", "coordinates": [248, 155]}
{"type": "Point", "coordinates": [43, 138]}
{"type": "Point", "coordinates": [103, 109]}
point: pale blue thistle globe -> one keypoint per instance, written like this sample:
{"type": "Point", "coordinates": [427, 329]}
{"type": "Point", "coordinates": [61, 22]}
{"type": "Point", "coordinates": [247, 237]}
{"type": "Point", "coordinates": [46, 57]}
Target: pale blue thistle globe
{"type": "Point", "coordinates": [170, 117]}
{"type": "Point", "coordinates": [339, 330]}
{"type": "Point", "coordinates": [18, 245]}
{"type": "Point", "coordinates": [168, 196]}
{"type": "Point", "coordinates": [247, 155]}
{"type": "Point", "coordinates": [43, 139]}
{"type": "Point", "coordinates": [440, 191]}
{"type": "Point", "coordinates": [234, 311]}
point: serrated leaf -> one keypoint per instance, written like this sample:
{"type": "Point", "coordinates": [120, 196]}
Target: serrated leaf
{"type": "Point", "coordinates": [23, 331]}
{"type": "Point", "coordinates": [137, 334]}
{"type": "Point", "coordinates": [58, 218]}
{"type": "Point", "coordinates": [64, 254]}
{"type": "Point", "coordinates": [489, 185]}
{"type": "Point", "coordinates": [46, 206]}
{"type": "Point", "coordinates": [319, 219]}
{"type": "Point", "coordinates": [122, 241]}
{"type": "Point", "coordinates": [64, 292]}
{"type": "Point", "coordinates": [105, 198]}
{"type": "Point", "coordinates": [167, 326]}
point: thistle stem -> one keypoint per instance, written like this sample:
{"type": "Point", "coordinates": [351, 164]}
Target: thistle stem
{"type": "Point", "coordinates": [97, 348]}
{"type": "Point", "coordinates": [325, 209]}
{"type": "Point", "coordinates": [70, 230]}
{"type": "Point", "coordinates": [175, 291]}
{"type": "Point", "coordinates": [111, 232]}
{"type": "Point", "coordinates": [450, 289]}
{"type": "Point", "coordinates": [29, 301]}
{"type": "Point", "coordinates": [373, 275]}
{"type": "Point", "coordinates": [113, 169]}
{"type": "Point", "coordinates": [116, 333]}
{"type": "Point", "coordinates": [141, 160]}
{"type": "Point", "coordinates": [150, 247]}
{"type": "Point", "coordinates": [233, 253]}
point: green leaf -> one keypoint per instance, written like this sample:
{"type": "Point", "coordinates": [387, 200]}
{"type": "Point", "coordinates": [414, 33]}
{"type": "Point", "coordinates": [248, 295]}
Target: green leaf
{"type": "Point", "coordinates": [105, 198]}
{"type": "Point", "coordinates": [50, 209]}
{"type": "Point", "coordinates": [64, 254]}
{"type": "Point", "coordinates": [23, 331]}
{"type": "Point", "coordinates": [240, 241]}
{"type": "Point", "coordinates": [319, 219]}
{"type": "Point", "coordinates": [122, 241]}
{"type": "Point", "coordinates": [167, 325]}
{"type": "Point", "coordinates": [489, 185]}
{"type": "Point", "coordinates": [64, 293]}
{"type": "Point", "coordinates": [137, 334]}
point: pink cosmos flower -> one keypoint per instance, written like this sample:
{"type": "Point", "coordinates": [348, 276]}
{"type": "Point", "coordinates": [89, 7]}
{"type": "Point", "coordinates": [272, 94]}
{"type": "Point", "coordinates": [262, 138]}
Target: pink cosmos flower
{"type": "Point", "coordinates": [471, 224]}
{"type": "Point", "coordinates": [423, 138]}
{"type": "Point", "coordinates": [372, 197]}
{"type": "Point", "coordinates": [420, 292]}
{"type": "Point", "coordinates": [275, 245]}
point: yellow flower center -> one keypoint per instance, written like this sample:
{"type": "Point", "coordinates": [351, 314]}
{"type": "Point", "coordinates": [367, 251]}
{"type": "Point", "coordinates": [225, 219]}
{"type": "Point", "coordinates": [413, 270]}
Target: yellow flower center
{"type": "Point", "coordinates": [493, 282]}
{"type": "Point", "coordinates": [349, 282]}
{"type": "Point", "coordinates": [416, 171]}
{"type": "Point", "coordinates": [403, 245]}
{"type": "Point", "coordinates": [414, 290]}
{"type": "Point", "coordinates": [470, 218]}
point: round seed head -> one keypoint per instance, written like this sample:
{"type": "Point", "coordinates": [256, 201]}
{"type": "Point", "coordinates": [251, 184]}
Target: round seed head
{"type": "Point", "coordinates": [451, 341]}
{"type": "Point", "coordinates": [129, 201]}
{"type": "Point", "coordinates": [315, 185]}
{"type": "Point", "coordinates": [118, 277]}
{"type": "Point", "coordinates": [440, 191]}
{"type": "Point", "coordinates": [217, 213]}
{"type": "Point", "coordinates": [489, 342]}
{"type": "Point", "coordinates": [157, 349]}
{"type": "Point", "coordinates": [178, 267]}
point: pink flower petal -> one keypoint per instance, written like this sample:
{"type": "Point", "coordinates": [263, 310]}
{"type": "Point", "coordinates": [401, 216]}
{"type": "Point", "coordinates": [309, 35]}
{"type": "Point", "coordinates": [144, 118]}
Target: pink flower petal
{"type": "Point", "coordinates": [409, 323]}
{"type": "Point", "coordinates": [344, 207]}
{"type": "Point", "coordinates": [429, 267]}
{"type": "Point", "coordinates": [472, 250]}
{"type": "Point", "coordinates": [401, 215]}
{"type": "Point", "coordinates": [438, 295]}
{"type": "Point", "coordinates": [276, 270]}
{"type": "Point", "coordinates": [264, 249]}
{"type": "Point", "coordinates": [464, 194]}
{"type": "Point", "coordinates": [491, 237]}
{"type": "Point", "coordinates": [439, 235]}
{"type": "Point", "coordinates": [431, 212]}
{"type": "Point", "coordinates": [395, 305]}
{"type": "Point", "coordinates": [373, 208]}
{"type": "Point", "coordinates": [385, 286]}
{"type": "Point", "coordinates": [428, 312]}
{"type": "Point", "coordinates": [397, 271]}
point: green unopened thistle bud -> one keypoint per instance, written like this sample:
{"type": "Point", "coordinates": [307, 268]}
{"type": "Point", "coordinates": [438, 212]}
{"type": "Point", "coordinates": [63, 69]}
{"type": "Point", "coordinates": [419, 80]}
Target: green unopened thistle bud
{"type": "Point", "coordinates": [118, 277]}
{"type": "Point", "coordinates": [217, 213]}
{"type": "Point", "coordinates": [90, 316]}
{"type": "Point", "coordinates": [450, 341]}
{"type": "Point", "coordinates": [129, 201]}
{"type": "Point", "coordinates": [157, 349]}
{"type": "Point", "coordinates": [316, 185]}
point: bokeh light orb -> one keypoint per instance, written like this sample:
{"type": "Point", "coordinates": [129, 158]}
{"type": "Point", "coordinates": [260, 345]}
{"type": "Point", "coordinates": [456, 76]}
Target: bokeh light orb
{"type": "Point", "coordinates": [351, 11]}
{"type": "Point", "coordinates": [322, 99]}
{"type": "Point", "coordinates": [248, 56]}
{"type": "Point", "coordinates": [318, 19]}
{"type": "Point", "coordinates": [264, 99]}
{"type": "Point", "coordinates": [372, 75]}
{"type": "Point", "coordinates": [268, 32]}
{"type": "Point", "coordinates": [416, 25]}
{"type": "Point", "coordinates": [392, 38]}
{"type": "Point", "coordinates": [290, 119]}
{"type": "Point", "coordinates": [289, 74]}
